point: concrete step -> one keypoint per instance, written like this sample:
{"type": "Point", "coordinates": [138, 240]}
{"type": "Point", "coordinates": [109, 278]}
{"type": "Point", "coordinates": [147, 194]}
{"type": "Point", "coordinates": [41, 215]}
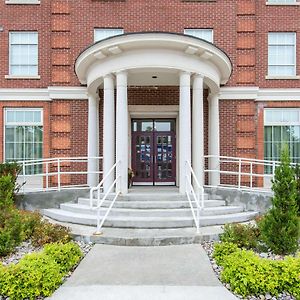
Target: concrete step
{"type": "Point", "coordinates": [182, 212]}
{"type": "Point", "coordinates": [146, 222]}
{"type": "Point", "coordinates": [143, 237]}
{"type": "Point", "coordinates": [153, 204]}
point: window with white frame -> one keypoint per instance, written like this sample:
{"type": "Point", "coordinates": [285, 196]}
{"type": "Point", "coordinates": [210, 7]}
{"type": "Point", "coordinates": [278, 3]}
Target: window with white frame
{"type": "Point", "coordinates": [205, 34]}
{"type": "Point", "coordinates": [104, 33]}
{"type": "Point", "coordinates": [282, 54]}
{"type": "Point", "coordinates": [24, 135]}
{"type": "Point", "coordinates": [282, 1]}
{"type": "Point", "coordinates": [281, 127]}
{"type": "Point", "coordinates": [23, 53]}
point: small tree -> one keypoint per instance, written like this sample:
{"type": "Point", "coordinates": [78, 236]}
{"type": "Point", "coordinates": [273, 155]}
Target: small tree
{"type": "Point", "coordinates": [280, 227]}
{"type": "Point", "coordinates": [297, 173]}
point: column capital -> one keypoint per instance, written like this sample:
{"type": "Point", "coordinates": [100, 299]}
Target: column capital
{"type": "Point", "coordinates": [122, 78]}
{"type": "Point", "coordinates": [185, 79]}
{"type": "Point", "coordinates": [198, 76]}
{"type": "Point", "coordinates": [108, 82]}
{"type": "Point", "coordinates": [109, 76]}
{"type": "Point", "coordinates": [213, 96]}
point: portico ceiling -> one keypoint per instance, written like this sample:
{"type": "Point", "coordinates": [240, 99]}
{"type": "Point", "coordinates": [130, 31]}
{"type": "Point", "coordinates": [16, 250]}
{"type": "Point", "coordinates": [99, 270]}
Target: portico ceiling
{"type": "Point", "coordinates": [146, 55]}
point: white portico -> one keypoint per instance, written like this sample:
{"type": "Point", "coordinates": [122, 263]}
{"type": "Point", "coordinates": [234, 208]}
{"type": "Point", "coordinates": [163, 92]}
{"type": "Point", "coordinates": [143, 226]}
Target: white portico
{"type": "Point", "coordinates": [126, 60]}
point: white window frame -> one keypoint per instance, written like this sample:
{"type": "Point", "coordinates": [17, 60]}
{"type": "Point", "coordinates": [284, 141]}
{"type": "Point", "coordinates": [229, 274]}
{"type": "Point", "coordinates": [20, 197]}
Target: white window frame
{"type": "Point", "coordinates": [282, 2]}
{"type": "Point", "coordinates": [282, 123]}
{"type": "Point", "coordinates": [186, 32]}
{"type": "Point", "coordinates": [41, 123]}
{"type": "Point", "coordinates": [27, 2]}
{"type": "Point", "coordinates": [107, 30]}
{"type": "Point", "coordinates": [279, 76]}
{"type": "Point", "coordinates": [17, 76]}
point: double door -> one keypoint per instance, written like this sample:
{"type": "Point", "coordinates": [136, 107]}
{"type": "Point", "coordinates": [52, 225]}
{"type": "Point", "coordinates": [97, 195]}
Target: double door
{"type": "Point", "coordinates": [154, 152]}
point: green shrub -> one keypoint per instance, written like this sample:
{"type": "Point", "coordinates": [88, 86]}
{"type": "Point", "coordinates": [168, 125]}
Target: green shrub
{"type": "Point", "coordinates": [45, 233]}
{"type": "Point", "coordinates": [65, 255]}
{"type": "Point", "coordinates": [12, 169]}
{"type": "Point", "coordinates": [280, 228]}
{"type": "Point", "coordinates": [244, 236]}
{"type": "Point", "coordinates": [297, 173]}
{"type": "Point", "coordinates": [35, 275]}
{"type": "Point", "coordinates": [10, 231]}
{"type": "Point", "coordinates": [222, 250]}
{"type": "Point", "coordinates": [30, 220]}
{"type": "Point", "coordinates": [248, 274]}
{"type": "Point", "coordinates": [7, 188]}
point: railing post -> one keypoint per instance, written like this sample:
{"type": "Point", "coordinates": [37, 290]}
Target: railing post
{"type": "Point", "coordinates": [47, 176]}
{"type": "Point", "coordinates": [58, 175]}
{"type": "Point", "coordinates": [24, 177]}
{"type": "Point", "coordinates": [273, 169]}
{"type": "Point", "coordinates": [251, 174]}
{"type": "Point", "coordinates": [240, 175]}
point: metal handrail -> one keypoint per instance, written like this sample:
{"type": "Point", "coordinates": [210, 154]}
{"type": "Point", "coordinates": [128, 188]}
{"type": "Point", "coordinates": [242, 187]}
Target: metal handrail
{"type": "Point", "coordinates": [99, 187]}
{"type": "Point", "coordinates": [191, 191]}
{"type": "Point", "coordinates": [47, 172]}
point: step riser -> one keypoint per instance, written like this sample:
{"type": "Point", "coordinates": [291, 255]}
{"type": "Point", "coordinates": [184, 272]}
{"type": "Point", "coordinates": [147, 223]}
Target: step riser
{"type": "Point", "coordinates": [154, 204]}
{"type": "Point", "coordinates": [149, 223]}
{"type": "Point", "coordinates": [152, 213]}
{"type": "Point", "coordinates": [148, 242]}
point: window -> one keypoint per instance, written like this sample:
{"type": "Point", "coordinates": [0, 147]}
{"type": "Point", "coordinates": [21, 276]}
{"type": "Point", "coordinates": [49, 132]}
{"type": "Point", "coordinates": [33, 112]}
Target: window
{"type": "Point", "coordinates": [24, 135]}
{"type": "Point", "coordinates": [22, 1]}
{"type": "Point", "coordinates": [282, 54]}
{"type": "Point", "coordinates": [282, 2]}
{"type": "Point", "coordinates": [104, 33]}
{"type": "Point", "coordinates": [205, 34]}
{"type": "Point", "coordinates": [282, 127]}
{"type": "Point", "coordinates": [23, 53]}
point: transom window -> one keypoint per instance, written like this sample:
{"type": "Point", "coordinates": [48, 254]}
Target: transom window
{"type": "Point", "coordinates": [282, 127]}
{"type": "Point", "coordinates": [205, 34]}
{"type": "Point", "coordinates": [23, 53]}
{"type": "Point", "coordinates": [282, 54]}
{"type": "Point", "coordinates": [24, 135]}
{"type": "Point", "coordinates": [282, 1]}
{"type": "Point", "coordinates": [104, 33]}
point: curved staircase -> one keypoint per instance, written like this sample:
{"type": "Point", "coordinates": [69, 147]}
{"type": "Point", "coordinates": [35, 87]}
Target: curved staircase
{"type": "Point", "coordinates": [149, 217]}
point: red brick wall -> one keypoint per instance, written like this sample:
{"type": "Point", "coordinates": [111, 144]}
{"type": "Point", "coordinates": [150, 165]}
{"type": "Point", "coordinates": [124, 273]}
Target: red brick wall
{"type": "Point", "coordinates": [66, 28]}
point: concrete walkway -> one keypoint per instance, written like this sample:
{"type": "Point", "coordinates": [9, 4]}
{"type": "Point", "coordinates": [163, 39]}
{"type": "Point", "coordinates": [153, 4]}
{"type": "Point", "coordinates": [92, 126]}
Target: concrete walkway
{"type": "Point", "coordinates": [142, 273]}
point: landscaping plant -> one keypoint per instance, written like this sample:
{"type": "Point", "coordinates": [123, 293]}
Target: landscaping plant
{"type": "Point", "coordinates": [297, 174]}
{"type": "Point", "coordinates": [280, 228]}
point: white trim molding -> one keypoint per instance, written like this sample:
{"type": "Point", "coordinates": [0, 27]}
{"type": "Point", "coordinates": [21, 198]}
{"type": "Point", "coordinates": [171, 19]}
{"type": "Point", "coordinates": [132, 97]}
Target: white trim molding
{"type": "Point", "coordinates": [48, 94]}
{"type": "Point", "coordinates": [259, 94]}
{"type": "Point", "coordinates": [19, 2]}
{"type": "Point", "coordinates": [282, 3]}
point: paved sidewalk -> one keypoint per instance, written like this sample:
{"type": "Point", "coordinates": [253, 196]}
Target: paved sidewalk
{"type": "Point", "coordinates": [142, 273]}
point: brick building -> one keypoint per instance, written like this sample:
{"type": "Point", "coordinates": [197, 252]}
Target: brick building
{"type": "Point", "coordinates": [149, 84]}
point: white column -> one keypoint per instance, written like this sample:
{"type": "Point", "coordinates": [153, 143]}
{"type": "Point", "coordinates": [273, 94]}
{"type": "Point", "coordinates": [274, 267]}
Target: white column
{"type": "Point", "coordinates": [214, 138]}
{"type": "Point", "coordinates": [184, 127]}
{"type": "Point", "coordinates": [198, 129]}
{"type": "Point", "coordinates": [93, 140]}
{"type": "Point", "coordinates": [122, 132]}
{"type": "Point", "coordinates": [108, 130]}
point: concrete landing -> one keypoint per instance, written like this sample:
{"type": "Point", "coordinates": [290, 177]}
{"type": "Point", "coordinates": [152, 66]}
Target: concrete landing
{"type": "Point", "coordinates": [171, 272]}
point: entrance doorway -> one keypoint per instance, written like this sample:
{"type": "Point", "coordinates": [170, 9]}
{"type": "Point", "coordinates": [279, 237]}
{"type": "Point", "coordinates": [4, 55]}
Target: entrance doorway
{"type": "Point", "coordinates": [154, 151]}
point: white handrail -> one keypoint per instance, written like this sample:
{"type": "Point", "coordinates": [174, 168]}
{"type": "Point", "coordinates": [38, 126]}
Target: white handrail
{"type": "Point", "coordinates": [99, 187]}
{"type": "Point", "coordinates": [196, 197]}
{"type": "Point", "coordinates": [54, 168]}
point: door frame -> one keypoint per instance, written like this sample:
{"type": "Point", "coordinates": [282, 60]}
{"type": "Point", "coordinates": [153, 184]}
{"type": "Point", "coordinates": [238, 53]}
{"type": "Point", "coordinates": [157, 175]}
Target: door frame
{"type": "Point", "coordinates": [154, 112]}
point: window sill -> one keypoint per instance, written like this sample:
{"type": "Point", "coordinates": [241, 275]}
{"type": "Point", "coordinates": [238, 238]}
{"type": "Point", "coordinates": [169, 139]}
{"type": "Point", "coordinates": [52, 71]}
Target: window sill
{"type": "Point", "coordinates": [284, 4]}
{"type": "Point", "coordinates": [28, 2]}
{"type": "Point", "coordinates": [22, 77]}
{"type": "Point", "coordinates": [269, 77]}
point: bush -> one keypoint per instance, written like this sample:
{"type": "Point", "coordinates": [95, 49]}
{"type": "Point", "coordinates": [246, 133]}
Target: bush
{"type": "Point", "coordinates": [248, 274]}
{"type": "Point", "coordinates": [280, 228]}
{"type": "Point", "coordinates": [35, 275]}
{"type": "Point", "coordinates": [7, 188]}
{"type": "Point", "coordinates": [30, 220]}
{"type": "Point", "coordinates": [11, 169]}
{"type": "Point", "coordinates": [45, 233]}
{"type": "Point", "coordinates": [222, 250]}
{"type": "Point", "coordinates": [297, 173]}
{"type": "Point", "coordinates": [65, 255]}
{"type": "Point", "coordinates": [38, 274]}
{"type": "Point", "coordinates": [244, 236]}
{"type": "Point", "coordinates": [10, 231]}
